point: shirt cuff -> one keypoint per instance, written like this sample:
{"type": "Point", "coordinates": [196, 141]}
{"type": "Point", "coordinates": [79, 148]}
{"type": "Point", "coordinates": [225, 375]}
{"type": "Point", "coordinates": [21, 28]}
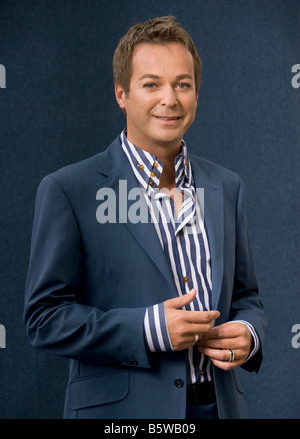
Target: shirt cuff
{"type": "Point", "coordinates": [255, 338]}
{"type": "Point", "coordinates": [156, 331]}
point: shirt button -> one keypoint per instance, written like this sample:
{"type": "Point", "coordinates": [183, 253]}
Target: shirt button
{"type": "Point", "coordinates": [153, 174]}
{"type": "Point", "coordinates": [151, 183]}
{"type": "Point", "coordinates": [179, 382]}
{"type": "Point", "coordinates": [186, 279]}
{"type": "Point", "coordinates": [141, 167]}
{"type": "Point", "coordinates": [202, 373]}
{"type": "Point", "coordinates": [155, 165]}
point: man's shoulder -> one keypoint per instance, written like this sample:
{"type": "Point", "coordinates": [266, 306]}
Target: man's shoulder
{"type": "Point", "coordinates": [86, 168]}
{"type": "Point", "coordinates": [82, 166]}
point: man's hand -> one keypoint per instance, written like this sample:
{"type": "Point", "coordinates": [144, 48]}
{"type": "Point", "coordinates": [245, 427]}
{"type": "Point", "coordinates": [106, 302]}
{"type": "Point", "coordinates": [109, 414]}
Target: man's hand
{"type": "Point", "coordinates": [218, 341]}
{"type": "Point", "coordinates": [184, 325]}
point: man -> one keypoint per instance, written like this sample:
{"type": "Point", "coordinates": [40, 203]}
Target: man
{"type": "Point", "coordinates": [153, 298]}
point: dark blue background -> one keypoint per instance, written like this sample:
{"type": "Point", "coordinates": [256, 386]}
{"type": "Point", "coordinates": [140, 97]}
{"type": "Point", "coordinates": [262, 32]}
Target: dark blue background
{"type": "Point", "coordinates": [58, 107]}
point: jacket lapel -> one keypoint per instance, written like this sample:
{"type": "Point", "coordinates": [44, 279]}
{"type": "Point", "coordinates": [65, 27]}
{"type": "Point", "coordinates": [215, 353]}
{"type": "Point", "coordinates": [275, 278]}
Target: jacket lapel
{"type": "Point", "coordinates": [115, 168]}
{"type": "Point", "coordinates": [214, 223]}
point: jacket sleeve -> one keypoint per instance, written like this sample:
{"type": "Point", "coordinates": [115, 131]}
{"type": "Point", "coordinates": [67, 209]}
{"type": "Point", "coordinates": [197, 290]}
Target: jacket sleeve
{"type": "Point", "coordinates": [246, 304]}
{"type": "Point", "coordinates": [55, 315]}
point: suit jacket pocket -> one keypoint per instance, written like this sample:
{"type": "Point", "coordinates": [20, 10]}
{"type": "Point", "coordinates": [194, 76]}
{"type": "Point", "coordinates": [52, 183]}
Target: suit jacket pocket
{"type": "Point", "coordinates": [99, 389]}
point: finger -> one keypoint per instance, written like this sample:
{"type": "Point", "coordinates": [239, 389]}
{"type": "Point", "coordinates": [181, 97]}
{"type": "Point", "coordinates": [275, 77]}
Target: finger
{"type": "Point", "coordinates": [203, 324]}
{"type": "Point", "coordinates": [225, 331]}
{"type": "Point", "coordinates": [192, 316]}
{"type": "Point", "coordinates": [181, 301]}
{"type": "Point", "coordinates": [221, 358]}
{"type": "Point", "coordinates": [218, 343]}
{"type": "Point", "coordinates": [218, 354]}
{"type": "Point", "coordinates": [210, 352]}
{"type": "Point", "coordinates": [202, 317]}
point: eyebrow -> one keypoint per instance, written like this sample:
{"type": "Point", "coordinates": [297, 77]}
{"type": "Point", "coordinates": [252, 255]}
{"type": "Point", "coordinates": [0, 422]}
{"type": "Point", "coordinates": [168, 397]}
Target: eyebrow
{"type": "Point", "coordinates": [178, 78]}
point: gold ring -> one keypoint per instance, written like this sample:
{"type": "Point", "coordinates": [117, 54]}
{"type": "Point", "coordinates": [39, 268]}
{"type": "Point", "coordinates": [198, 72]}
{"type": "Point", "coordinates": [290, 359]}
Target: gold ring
{"type": "Point", "coordinates": [231, 355]}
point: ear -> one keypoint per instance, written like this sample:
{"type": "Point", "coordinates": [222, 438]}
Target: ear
{"type": "Point", "coordinates": [120, 96]}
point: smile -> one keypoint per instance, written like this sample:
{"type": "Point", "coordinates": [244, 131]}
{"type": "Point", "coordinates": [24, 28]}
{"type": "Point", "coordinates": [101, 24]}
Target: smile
{"type": "Point", "coordinates": [167, 118]}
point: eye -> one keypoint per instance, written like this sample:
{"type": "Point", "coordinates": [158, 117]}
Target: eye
{"type": "Point", "coordinates": [183, 85]}
{"type": "Point", "coordinates": [149, 85]}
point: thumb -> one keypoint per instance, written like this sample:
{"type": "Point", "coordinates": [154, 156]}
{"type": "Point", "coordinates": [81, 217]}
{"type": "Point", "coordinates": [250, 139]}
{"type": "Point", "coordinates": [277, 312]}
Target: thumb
{"type": "Point", "coordinates": [179, 302]}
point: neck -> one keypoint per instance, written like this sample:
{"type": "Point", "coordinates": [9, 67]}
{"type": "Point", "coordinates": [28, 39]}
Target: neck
{"type": "Point", "coordinates": [166, 153]}
{"type": "Point", "coordinates": [167, 157]}
{"type": "Point", "coordinates": [167, 179]}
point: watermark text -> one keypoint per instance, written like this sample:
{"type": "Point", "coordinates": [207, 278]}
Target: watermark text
{"type": "Point", "coordinates": [296, 78]}
{"type": "Point", "coordinates": [2, 76]}
{"type": "Point", "coordinates": [137, 206]}
{"type": "Point", "coordinates": [2, 336]}
{"type": "Point", "coordinates": [296, 337]}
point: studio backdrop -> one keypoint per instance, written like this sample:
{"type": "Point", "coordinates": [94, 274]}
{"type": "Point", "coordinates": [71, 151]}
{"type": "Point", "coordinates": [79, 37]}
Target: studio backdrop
{"type": "Point", "coordinates": [57, 107]}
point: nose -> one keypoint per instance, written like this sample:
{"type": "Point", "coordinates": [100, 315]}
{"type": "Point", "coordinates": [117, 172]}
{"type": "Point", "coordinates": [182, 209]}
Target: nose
{"type": "Point", "coordinates": [168, 97]}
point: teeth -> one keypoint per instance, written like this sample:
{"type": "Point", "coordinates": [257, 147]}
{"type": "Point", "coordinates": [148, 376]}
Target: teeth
{"type": "Point", "coordinates": [169, 118]}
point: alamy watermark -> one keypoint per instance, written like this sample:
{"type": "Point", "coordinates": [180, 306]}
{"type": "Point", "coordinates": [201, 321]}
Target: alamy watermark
{"type": "Point", "coordinates": [2, 76]}
{"type": "Point", "coordinates": [296, 337]}
{"type": "Point", "coordinates": [296, 78]}
{"type": "Point", "coordinates": [130, 206]}
{"type": "Point", "coordinates": [2, 336]}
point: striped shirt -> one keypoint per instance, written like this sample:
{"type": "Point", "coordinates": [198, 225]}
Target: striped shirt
{"type": "Point", "coordinates": [184, 241]}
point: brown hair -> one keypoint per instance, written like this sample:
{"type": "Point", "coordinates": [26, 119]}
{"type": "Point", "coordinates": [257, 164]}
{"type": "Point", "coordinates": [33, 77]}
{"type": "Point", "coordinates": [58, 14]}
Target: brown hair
{"type": "Point", "coordinates": [160, 30]}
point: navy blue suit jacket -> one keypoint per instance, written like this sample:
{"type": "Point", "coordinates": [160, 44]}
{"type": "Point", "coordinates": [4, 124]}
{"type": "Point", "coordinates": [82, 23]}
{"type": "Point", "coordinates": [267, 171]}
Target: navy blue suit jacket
{"type": "Point", "coordinates": [89, 284]}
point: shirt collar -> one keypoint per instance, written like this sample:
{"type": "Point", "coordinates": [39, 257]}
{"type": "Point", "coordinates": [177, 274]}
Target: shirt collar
{"type": "Point", "coordinates": [148, 168]}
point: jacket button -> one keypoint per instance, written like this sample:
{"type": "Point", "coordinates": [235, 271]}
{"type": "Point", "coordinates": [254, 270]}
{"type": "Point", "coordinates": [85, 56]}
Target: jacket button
{"type": "Point", "coordinates": [132, 362]}
{"type": "Point", "coordinates": [179, 382]}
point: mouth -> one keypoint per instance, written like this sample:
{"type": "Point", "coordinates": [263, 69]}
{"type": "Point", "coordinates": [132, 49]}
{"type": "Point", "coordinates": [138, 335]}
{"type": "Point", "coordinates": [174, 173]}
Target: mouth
{"type": "Point", "coordinates": [168, 118]}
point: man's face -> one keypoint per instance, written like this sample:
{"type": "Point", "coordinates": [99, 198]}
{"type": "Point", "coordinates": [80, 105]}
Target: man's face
{"type": "Point", "coordinates": [162, 100]}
